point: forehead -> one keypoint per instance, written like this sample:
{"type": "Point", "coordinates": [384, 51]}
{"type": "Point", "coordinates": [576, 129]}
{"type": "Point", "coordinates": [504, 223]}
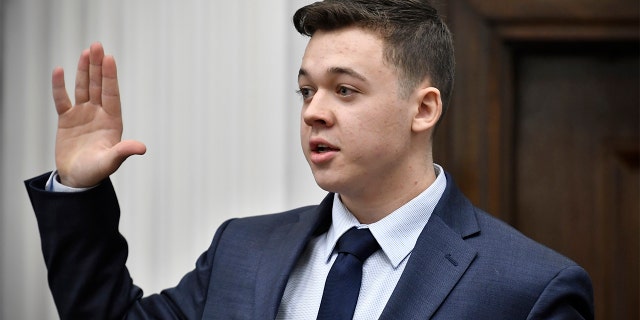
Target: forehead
{"type": "Point", "coordinates": [352, 48]}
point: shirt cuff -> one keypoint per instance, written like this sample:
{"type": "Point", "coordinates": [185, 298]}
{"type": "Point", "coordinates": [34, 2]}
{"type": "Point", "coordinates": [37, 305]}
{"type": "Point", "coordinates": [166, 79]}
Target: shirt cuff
{"type": "Point", "coordinates": [54, 185]}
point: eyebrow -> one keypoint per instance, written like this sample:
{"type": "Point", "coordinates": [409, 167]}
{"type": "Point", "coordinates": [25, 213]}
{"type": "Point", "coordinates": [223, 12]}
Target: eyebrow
{"type": "Point", "coordinates": [337, 71]}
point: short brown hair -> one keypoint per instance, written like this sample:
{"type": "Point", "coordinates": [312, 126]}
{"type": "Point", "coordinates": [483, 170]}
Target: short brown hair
{"type": "Point", "coordinates": [417, 41]}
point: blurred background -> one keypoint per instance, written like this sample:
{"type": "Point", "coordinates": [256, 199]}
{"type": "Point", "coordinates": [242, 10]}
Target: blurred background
{"type": "Point", "coordinates": [543, 129]}
{"type": "Point", "coordinates": [208, 86]}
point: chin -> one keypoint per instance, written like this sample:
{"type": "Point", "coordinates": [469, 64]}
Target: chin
{"type": "Point", "coordinates": [326, 183]}
{"type": "Point", "coordinates": [325, 186]}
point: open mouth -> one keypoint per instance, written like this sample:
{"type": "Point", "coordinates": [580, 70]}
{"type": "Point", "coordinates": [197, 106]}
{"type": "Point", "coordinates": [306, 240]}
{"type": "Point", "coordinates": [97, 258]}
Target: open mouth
{"type": "Point", "coordinates": [322, 148]}
{"type": "Point", "coordinates": [321, 152]}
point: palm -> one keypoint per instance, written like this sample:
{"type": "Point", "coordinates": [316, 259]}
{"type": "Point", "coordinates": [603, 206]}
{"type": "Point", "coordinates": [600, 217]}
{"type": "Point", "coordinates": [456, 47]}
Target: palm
{"type": "Point", "coordinates": [88, 142]}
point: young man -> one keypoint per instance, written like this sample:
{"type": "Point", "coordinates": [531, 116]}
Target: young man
{"type": "Point", "coordinates": [373, 80]}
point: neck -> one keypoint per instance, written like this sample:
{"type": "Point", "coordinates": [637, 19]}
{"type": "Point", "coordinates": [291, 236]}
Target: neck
{"type": "Point", "coordinates": [374, 204]}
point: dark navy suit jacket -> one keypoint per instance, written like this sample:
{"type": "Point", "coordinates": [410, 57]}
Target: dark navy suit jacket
{"type": "Point", "coordinates": [465, 265]}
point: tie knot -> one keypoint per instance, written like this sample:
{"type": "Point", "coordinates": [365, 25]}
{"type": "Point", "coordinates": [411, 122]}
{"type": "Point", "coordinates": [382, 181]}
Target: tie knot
{"type": "Point", "coordinates": [358, 242]}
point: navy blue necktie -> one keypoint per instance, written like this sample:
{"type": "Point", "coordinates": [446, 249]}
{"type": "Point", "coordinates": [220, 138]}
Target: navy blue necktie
{"type": "Point", "coordinates": [343, 282]}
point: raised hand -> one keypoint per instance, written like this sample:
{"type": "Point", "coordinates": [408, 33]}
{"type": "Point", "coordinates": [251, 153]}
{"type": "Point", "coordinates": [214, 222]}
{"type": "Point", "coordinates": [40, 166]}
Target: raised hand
{"type": "Point", "coordinates": [88, 142]}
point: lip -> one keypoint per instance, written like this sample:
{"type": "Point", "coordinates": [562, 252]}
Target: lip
{"type": "Point", "coordinates": [321, 151]}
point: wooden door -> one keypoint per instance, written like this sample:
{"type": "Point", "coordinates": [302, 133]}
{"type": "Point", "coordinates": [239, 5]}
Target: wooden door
{"type": "Point", "coordinates": [543, 130]}
{"type": "Point", "coordinates": [576, 161]}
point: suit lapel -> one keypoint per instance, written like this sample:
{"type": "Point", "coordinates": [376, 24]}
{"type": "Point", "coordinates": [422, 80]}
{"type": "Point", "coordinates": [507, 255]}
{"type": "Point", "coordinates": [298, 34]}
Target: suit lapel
{"type": "Point", "coordinates": [438, 260]}
{"type": "Point", "coordinates": [436, 264]}
{"type": "Point", "coordinates": [281, 252]}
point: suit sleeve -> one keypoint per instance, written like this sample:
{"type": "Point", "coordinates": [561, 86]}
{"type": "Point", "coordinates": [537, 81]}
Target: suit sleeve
{"type": "Point", "coordinates": [569, 295]}
{"type": "Point", "coordinates": [85, 257]}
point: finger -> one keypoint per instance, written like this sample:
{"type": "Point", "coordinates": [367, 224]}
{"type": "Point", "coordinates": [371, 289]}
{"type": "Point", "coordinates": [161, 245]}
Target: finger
{"type": "Point", "coordinates": [126, 148]}
{"type": "Point", "coordinates": [110, 90]}
{"type": "Point", "coordinates": [96, 54]}
{"type": "Point", "coordinates": [82, 78]}
{"type": "Point", "coordinates": [60, 96]}
{"type": "Point", "coordinates": [123, 150]}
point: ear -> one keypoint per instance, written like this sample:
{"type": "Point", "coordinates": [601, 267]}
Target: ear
{"type": "Point", "coordinates": [429, 109]}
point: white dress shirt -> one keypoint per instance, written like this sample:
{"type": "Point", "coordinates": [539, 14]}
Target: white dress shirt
{"type": "Point", "coordinates": [397, 234]}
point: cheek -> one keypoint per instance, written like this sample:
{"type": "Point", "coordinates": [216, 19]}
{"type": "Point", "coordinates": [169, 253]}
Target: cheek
{"type": "Point", "coordinates": [304, 136]}
{"type": "Point", "coordinates": [377, 136]}
{"type": "Point", "coordinates": [303, 130]}
{"type": "Point", "coordinates": [393, 131]}
{"type": "Point", "coordinates": [389, 122]}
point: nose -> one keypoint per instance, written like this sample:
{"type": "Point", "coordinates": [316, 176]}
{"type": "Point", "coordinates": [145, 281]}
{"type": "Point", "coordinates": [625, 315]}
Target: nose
{"type": "Point", "coordinates": [318, 111]}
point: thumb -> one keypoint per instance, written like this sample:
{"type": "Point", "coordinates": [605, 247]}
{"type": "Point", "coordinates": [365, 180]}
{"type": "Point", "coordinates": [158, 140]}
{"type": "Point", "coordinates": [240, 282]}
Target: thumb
{"type": "Point", "coordinates": [126, 148]}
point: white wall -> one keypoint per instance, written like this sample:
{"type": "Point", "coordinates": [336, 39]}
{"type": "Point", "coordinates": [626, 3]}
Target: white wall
{"type": "Point", "coordinates": [207, 85]}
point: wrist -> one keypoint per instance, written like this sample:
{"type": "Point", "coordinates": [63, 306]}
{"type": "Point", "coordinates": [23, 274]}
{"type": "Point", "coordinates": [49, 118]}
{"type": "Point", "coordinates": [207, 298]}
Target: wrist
{"type": "Point", "coordinates": [56, 184]}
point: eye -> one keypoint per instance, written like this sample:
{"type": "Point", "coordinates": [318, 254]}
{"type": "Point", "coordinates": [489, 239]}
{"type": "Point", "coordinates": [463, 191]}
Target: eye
{"type": "Point", "coordinates": [306, 93]}
{"type": "Point", "coordinates": [345, 91]}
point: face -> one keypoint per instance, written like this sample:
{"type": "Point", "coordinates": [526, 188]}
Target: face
{"type": "Point", "coordinates": [356, 128]}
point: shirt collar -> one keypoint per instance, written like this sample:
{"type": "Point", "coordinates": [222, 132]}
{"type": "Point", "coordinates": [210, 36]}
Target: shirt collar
{"type": "Point", "coordinates": [396, 233]}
